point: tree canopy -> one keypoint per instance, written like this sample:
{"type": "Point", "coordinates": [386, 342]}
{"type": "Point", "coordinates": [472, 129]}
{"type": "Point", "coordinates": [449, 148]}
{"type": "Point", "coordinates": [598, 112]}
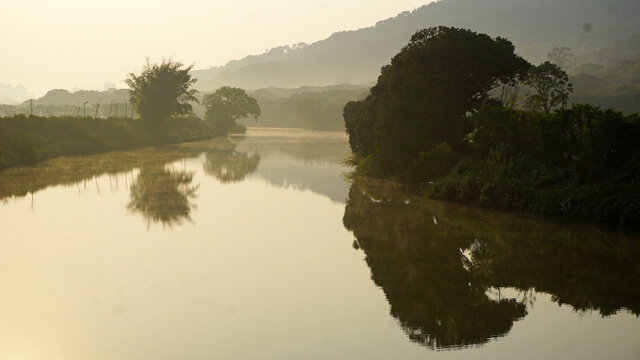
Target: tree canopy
{"type": "Point", "coordinates": [227, 105]}
{"type": "Point", "coordinates": [551, 86]}
{"type": "Point", "coordinates": [421, 99]}
{"type": "Point", "coordinates": [162, 90]}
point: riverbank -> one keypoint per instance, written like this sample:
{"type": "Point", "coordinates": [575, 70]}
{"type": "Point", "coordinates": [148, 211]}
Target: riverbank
{"type": "Point", "coordinates": [580, 164]}
{"type": "Point", "coordinates": [25, 140]}
{"type": "Point", "coordinates": [574, 165]}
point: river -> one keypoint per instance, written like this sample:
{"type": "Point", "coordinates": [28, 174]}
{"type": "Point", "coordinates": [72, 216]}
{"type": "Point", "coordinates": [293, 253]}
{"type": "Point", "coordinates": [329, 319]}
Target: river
{"type": "Point", "coordinates": [265, 247]}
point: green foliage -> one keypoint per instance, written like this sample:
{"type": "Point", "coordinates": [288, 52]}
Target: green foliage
{"type": "Point", "coordinates": [162, 90]}
{"type": "Point", "coordinates": [435, 163]}
{"type": "Point", "coordinates": [227, 105]}
{"type": "Point", "coordinates": [580, 163]}
{"type": "Point", "coordinates": [26, 140]}
{"type": "Point", "coordinates": [422, 98]}
{"type": "Point", "coordinates": [551, 86]}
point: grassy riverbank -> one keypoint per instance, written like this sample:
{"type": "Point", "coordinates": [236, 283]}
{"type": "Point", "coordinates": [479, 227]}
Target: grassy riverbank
{"type": "Point", "coordinates": [28, 139]}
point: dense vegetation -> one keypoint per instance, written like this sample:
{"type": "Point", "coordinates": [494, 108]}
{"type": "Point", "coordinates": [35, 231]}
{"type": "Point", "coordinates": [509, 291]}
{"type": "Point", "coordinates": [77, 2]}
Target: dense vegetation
{"type": "Point", "coordinates": [581, 163]}
{"type": "Point", "coordinates": [421, 99]}
{"type": "Point", "coordinates": [28, 139]}
{"type": "Point", "coordinates": [430, 122]}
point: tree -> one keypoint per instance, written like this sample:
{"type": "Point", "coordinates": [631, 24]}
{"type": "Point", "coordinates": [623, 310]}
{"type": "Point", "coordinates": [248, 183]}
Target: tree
{"type": "Point", "coordinates": [551, 86]}
{"type": "Point", "coordinates": [227, 105]}
{"type": "Point", "coordinates": [162, 90]}
{"type": "Point", "coordinates": [422, 98]}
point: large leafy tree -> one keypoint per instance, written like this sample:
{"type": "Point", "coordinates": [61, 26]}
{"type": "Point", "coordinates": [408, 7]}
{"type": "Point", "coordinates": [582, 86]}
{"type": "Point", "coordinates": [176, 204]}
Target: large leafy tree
{"type": "Point", "coordinates": [162, 90]}
{"type": "Point", "coordinates": [227, 105]}
{"type": "Point", "coordinates": [422, 98]}
{"type": "Point", "coordinates": [551, 86]}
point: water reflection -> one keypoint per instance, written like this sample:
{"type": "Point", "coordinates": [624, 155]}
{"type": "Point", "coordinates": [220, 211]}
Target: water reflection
{"type": "Point", "coordinates": [301, 160]}
{"type": "Point", "coordinates": [71, 171]}
{"type": "Point", "coordinates": [162, 195]}
{"type": "Point", "coordinates": [159, 194]}
{"type": "Point", "coordinates": [228, 165]}
{"type": "Point", "coordinates": [441, 266]}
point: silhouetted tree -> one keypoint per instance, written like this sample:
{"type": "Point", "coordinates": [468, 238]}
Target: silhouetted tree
{"type": "Point", "coordinates": [422, 98]}
{"type": "Point", "coordinates": [162, 90]}
{"type": "Point", "coordinates": [551, 85]}
{"type": "Point", "coordinates": [227, 105]}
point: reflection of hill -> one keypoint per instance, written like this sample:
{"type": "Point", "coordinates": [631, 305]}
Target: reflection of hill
{"type": "Point", "coordinates": [323, 178]}
{"type": "Point", "coordinates": [435, 261]}
{"type": "Point", "coordinates": [304, 160]}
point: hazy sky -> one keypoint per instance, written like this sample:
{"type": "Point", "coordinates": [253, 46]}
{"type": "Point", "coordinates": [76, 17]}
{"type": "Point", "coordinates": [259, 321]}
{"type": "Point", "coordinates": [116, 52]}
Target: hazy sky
{"type": "Point", "coordinates": [83, 43]}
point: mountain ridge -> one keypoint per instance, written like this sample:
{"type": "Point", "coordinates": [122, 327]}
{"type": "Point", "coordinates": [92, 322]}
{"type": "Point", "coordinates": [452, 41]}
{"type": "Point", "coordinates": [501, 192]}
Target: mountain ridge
{"type": "Point", "coordinates": [355, 56]}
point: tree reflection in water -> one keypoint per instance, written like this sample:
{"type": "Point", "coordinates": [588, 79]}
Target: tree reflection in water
{"type": "Point", "coordinates": [228, 165]}
{"type": "Point", "coordinates": [162, 195]}
{"type": "Point", "coordinates": [441, 266]}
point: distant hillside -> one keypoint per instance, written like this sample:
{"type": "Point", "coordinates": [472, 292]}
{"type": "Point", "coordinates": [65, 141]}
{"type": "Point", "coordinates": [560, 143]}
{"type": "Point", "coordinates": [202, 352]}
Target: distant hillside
{"type": "Point", "coordinates": [614, 85]}
{"type": "Point", "coordinates": [318, 110]}
{"type": "Point", "coordinates": [307, 107]}
{"type": "Point", "coordinates": [13, 94]}
{"type": "Point", "coordinates": [535, 27]}
{"type": "Point", "coordinates": [63, 97]}
{"type": "Point", "coordinates": [59, 102]}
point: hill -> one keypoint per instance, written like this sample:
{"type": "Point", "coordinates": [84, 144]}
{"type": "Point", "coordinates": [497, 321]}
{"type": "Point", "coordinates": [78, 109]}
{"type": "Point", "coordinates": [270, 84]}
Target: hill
{"type": "Point", "coordinates": [534, 26]}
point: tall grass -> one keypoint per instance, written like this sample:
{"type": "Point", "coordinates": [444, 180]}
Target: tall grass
{"type": "Point", "coordinates": [29, 139]}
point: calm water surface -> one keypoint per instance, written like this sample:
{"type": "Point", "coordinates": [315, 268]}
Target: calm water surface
{"type": "Point", "coordinates": [258, 247]}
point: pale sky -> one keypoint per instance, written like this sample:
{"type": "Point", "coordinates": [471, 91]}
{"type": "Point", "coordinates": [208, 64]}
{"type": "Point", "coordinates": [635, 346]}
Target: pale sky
{"type": "Point", "coordinates": [84, 43]}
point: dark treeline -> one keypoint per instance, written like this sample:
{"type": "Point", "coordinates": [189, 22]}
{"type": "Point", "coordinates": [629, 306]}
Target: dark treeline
{"type": "Point", "coordinates": [581, 163]}
{"type": "Point", "coordinates": [431, 121]}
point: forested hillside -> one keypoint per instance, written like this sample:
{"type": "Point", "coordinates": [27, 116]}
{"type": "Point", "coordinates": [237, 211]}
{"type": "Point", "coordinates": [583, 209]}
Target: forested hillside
{"type": "Point", "coordinates": [534, 26]}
